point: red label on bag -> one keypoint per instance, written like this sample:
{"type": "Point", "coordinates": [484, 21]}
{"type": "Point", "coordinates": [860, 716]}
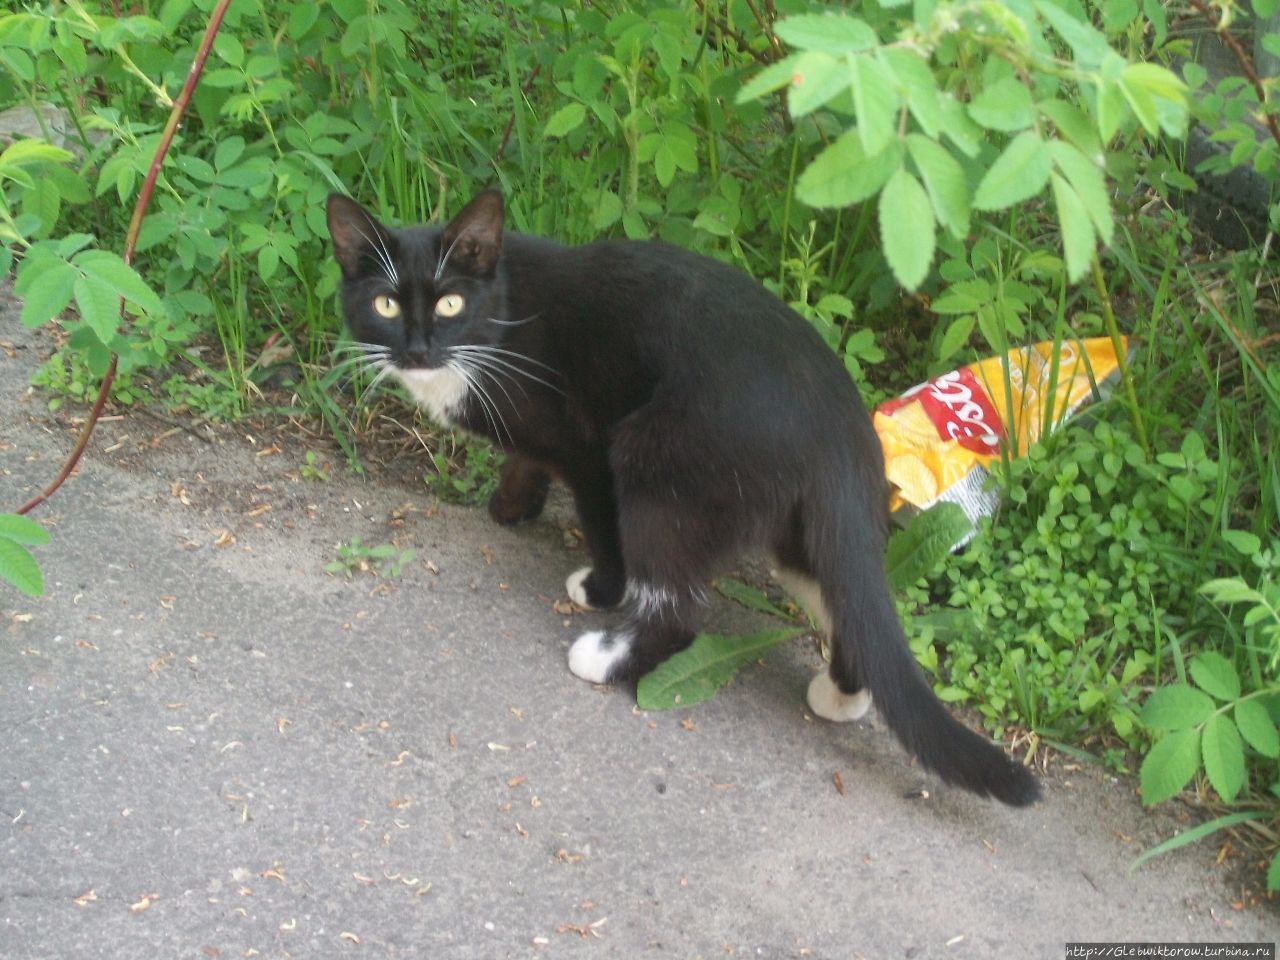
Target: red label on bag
{"type": "Point", "coordinates": [959, 408]}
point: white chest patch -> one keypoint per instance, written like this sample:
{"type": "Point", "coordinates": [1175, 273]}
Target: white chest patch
{"type": "Point", "coordinates": [439, 392]}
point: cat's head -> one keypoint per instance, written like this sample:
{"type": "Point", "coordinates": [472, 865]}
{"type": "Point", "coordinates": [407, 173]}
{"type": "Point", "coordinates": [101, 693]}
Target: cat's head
{"type": "Point", "coordinates": [420, 301]}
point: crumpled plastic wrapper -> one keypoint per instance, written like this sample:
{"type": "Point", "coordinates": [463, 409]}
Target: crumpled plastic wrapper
{"type": "Point", "coordinates": [939, 437]}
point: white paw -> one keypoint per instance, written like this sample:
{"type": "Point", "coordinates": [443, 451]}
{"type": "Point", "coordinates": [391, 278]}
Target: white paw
{"type": "Point", "coordinates": [826, 700]}
{"type": "Point", "coordinates": [576, 587]}
{"type": "Point", "coordinates": [591, 660]}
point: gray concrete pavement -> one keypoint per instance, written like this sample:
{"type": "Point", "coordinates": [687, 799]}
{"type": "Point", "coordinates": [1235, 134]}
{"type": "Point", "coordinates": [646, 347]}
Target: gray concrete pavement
{"type": "Point", "coordinates": [213, 749]}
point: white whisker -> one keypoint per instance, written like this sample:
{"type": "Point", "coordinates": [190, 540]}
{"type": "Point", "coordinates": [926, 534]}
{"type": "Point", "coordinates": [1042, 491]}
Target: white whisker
{"type": "Point", "coordinates": [496, 374]}
{"type": "Point", "coordinates": [498, 364]}
{"type": "Point", "coordinates": [383, 254]}
{"type": "Point", "coordinates": [491, 412]}
{"type": "Point", "coordinates": [514, 323]}
{"type": "Point", "coordinates": [385, 369]}
{"type": "Point", "coordinates": [444, 257]}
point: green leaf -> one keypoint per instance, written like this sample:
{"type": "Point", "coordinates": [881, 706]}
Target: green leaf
{"type": "Point", "coordinates": [1197, 833]}
{"type": "Point", "coordinates": [1078, 242]}
{"type": "Point", "coordinates": [917, 87]}
{"type": "Point", "coordinates": [565, 120]}
{"type": "Point", "coordinates": [771, 78]}
{"type": "Point", "coordinates": [1073, 124]}
{"type": "Point", "coordinates": [1257, 728]}
{"type": "Point", "coordinates": [945, 180]}
{"type": "Point", "coordinates": [1215, 675]}
{"type": "Point", "coordinates": [875, 100]}
{"type": "Point", "coordinates": [1223, 756]}
{"type": "Point", "coordinates": [844, 174]}
{"type": "Point", "coordinates": [1169, 765]}
{"type": "Point", "coordinates": [1159, 82]}
{"type": "Point", "coordinates": [750, 597]}
{"type": "Point", "coordinates": [1005, 106]}
{"type": "Point", "coordinates": [111, 270]}
{"type": "Point", "coordinates": [696, 673]}
{"type": "Point", "coordinates": [1231, 590]}
{"type": "Point", "coordinates": [1141, 102]}
{"type": "Point", "coordinates": [31, 152]}
{"type": "Point", "coordinates": [956, 336]}
{"type": "Point", "coordinates": [19, 568]}
{"type": "Point", "coordinates": [48, 293]}
{"type": "Point", "coordinates": [99, 306]}
{"type": "Point", "coordinates": [1088, 45]}
{"type": "Point", "coordinates": [959, 128]}
{"type": "Point", "coordinates": [915, 551]}
{"type": "Point", "coordinates": [1110, 107]}
{"type": "Point", "coordinates": [20, 529]}
{"type": "Point", "coordinates": [907, 231]}
{"type": "Point", "coordinates": [815, 79]}
{"type": "Point", "coordinates": [1176, 707]}
{"type": "Point", "coordinates": [1018, 174]}
{"type": "Point", "coordinates": [1243, 542]}
{"type": "Point", "coordinates": [1090, 186]}
{"type": "Point", "coordinates": [827, 33]}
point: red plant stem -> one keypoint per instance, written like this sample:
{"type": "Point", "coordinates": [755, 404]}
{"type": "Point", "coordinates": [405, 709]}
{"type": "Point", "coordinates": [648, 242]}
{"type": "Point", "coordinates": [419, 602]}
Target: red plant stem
{"type": "Point", "coordinates": [131, 242]}
{"type": "Point", "coordinates": [1246, 66]}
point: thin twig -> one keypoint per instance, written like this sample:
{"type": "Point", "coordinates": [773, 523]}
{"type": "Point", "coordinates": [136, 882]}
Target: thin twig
{"type": "Point", "coordinates": [1246, 65]}
{"type": "Point", "coordinates": [131, 242]}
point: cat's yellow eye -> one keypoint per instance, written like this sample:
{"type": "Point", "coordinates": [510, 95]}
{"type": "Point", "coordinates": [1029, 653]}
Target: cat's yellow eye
{"type": "Point", "coordinates": [450, 305]}
{"type": "Point", "coordinates": [386, 307]}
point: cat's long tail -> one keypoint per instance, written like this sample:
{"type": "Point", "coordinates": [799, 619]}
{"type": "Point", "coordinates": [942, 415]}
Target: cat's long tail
{"type": "Point", "coordinates": [869, 648]}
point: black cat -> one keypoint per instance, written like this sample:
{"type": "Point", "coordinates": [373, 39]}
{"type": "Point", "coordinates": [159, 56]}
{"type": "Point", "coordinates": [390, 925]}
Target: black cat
{"type": "Point", "coordinates": [693, 417]}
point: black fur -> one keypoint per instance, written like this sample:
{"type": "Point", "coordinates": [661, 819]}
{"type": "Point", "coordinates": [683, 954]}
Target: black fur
{"type": "Point", "coordinates": [692, 415]}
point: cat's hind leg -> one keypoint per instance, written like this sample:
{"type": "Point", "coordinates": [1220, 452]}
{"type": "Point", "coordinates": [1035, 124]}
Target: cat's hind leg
{"type": "Point", "coordinates": [835, 693]}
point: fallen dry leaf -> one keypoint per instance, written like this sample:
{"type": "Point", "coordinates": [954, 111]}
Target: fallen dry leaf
{"type": "Point", "coordinates": [839, 782]}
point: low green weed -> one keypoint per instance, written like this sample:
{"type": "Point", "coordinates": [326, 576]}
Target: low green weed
{"type": "Point", "coordinates": [386, 560]}
{"type": "Point", "coordinates": [1067, 605]}
{"type": "Point", "coordinates": [312, 469]}
{"type": "Point", "coordinates": [470, 479]}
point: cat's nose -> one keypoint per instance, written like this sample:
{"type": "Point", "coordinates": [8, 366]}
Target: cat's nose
{"type": "Point", "coordinates": [417, 356]}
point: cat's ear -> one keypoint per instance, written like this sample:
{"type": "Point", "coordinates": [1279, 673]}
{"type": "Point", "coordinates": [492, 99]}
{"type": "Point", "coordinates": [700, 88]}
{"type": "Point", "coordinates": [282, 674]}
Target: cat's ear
{"type": "Point", "coordinates": [353, 230]}
{"type": "Point", "coordinates": [473, 239]}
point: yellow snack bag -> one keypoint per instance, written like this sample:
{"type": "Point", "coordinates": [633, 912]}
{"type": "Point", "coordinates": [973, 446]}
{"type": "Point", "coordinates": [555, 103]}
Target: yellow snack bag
{"type": "Point", "coordinates": [939, 437]}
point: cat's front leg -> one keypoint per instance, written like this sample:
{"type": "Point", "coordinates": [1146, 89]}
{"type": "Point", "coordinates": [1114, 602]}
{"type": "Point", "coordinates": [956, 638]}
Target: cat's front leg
{"type": "Point", "coordinates": [661, 621]}
{"type": "Point", "coordinates": [603, 584]}
{"type": "Point", "coordinates": [522, 491]}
